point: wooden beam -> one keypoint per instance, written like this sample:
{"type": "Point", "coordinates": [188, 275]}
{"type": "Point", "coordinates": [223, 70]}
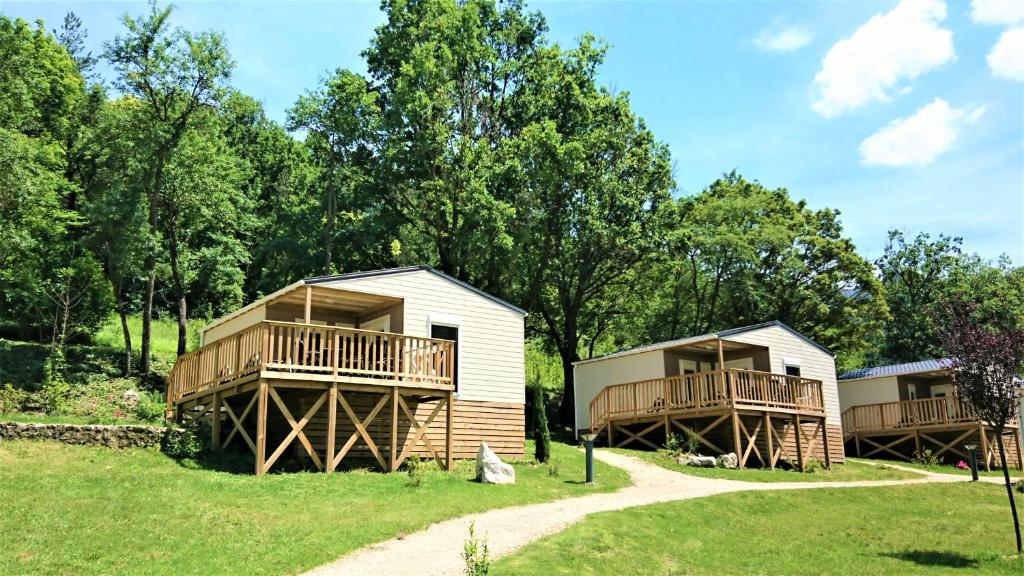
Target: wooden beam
{"type": "Point", "coordinates": [751, 443]}
{"type": "Point", "coordinates": [448, 431]}
{"type": "Point", "coordinates": [768, 428]}
{"type": "Point", "coordinates": [332, 426]}
{"type": "Point", "coordinates": [239, 428]}
{"type": "Point", "coordinates": [828, 454]}
{"type": "Point", "coordinates": [308, 315]}
{"type": "Point", "coordinates": [215, 423]}
{"type": "Point", "coordinates": [638, 437]}
{"type": "Point", "coordinates": [700, 435]}
{"type": "Point", "coordinates": [394, 430]}
{"type": "Point", "coordinates": [888, 447]}
{"type": "Point", "coordinates": [361, 430]}
{"type": "Point", "coordinates": [261, 429]}
{"type": "Point", "coordinates": [296, 431]}
{"type": "Point", "coordinates": [737, 448]}
{"type": "Point", "coordinates": [799, 446]}
{"type": "Point", "coordinates": [984, 446]}
{"type": "Point", "coordinates": [421, 431]}
{"type": "Point", "coordinates": [1016, 442]}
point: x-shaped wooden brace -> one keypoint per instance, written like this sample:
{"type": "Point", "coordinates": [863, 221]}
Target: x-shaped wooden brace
{"type": "Point", "coordinates": [638, 436]}
{"type": "Point", "coordinates": [751, 441]}
{"type": "Point", "coordinates": [887, 447]}
{"type": "Point", "coordinates": [239, 429]}
{"type": "Point", "coordinates": [296, 430]}
{"type": "Point", "coordinates": [809, 450]}
{"type": "Point", "coordinates": [700, 435]}
{"type": "Point", "coordinates": [780, 446]}
{"type": "Point", "coordinates": [360, 426]}
{"type": "Point", "coordinates": [948, 447]}
{"type": "Point", "coordinates": [421, 430]}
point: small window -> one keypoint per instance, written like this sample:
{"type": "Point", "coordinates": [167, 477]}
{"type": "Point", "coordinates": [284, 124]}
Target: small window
{"type": "Point", "coordinates": [791, 366]}
{"type": "Point", "coordinates": [792, 370]}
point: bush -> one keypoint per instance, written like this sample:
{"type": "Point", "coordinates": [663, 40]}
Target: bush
{"type": "Point", "coordinates": [12, 399]}
{"type": "Point", "coordinates": [188, 442]}
{"type": "Point", "coordinates": [926, 458]}
{"type": "Point", "coordinates": [813, 466]}
{"type": "Point", "coordinates": [476, 554]}
{"type": "Point", "coordinates": [415, 471]}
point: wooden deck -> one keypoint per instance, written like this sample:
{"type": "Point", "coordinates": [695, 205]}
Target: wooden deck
{"type": "Point", "coordinates": [943, 425]}
{"type": "Point", "coordinates": [772, 416]}
{"type": "Point", "coordinates": [279, 366]}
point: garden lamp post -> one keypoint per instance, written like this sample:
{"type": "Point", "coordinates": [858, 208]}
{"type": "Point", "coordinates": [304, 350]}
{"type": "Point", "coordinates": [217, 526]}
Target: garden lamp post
{"type": "Point", "coordinates": [588, 442]}
{"type": "Point", "coordinates": [972, 456]}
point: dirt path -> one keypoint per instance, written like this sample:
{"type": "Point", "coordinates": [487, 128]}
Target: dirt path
{"type": "Point", "coordinates": [437, 549]}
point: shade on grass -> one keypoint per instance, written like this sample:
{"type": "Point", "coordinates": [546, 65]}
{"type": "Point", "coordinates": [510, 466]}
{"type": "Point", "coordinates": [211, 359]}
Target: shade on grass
{"type": "Point", "coordinates": [927, 529]}
{"type": "Point", "coordinates": [89, 510]}
{"type": "Point", "coordinates": [944, 468]}
{"type": "Point", "coordinates": [848, 472]}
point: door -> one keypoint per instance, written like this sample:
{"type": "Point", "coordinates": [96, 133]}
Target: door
{"type": "Point", "coordinates": [449, 333]}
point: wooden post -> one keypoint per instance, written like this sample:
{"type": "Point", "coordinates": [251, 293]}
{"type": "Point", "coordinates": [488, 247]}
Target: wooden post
{"type": "Point", "coordinates": [984, 446]}
{"type": "Point", "coordinates": [768, 431]}
{"type": "Point", "coordinates": [309, 304]}
{"type": "Point", "coordinates": [1016, 442]}
{"type": "Point", "coordinates": [332, 424]}
{"type": "Point", "coordinates": [799, 443]}
{"type": "Point", "coordinates": [610, 445]}
{"type": "Point", "coordinates": [736, 438]}
{"type": "Point", "coordinates": [856, 441]}
{"type": "Point", "coordinates": [917, 441]}
{"type": "Point", "coordinates": [261, 428]}
{"type": "Point", "coordinates": [721, 373]}
{"type": "Point", "coordinates": [448, 431]}
{"type": "Point", "coordinates": [824, 433]}
{"type": "Point", "coordinates": [215, 423]}
{"type": "Point", "coordinates": [394, 430]}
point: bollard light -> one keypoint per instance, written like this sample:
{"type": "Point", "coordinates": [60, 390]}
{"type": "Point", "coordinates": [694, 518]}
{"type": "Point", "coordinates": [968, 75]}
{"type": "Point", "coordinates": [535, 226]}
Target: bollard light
{"type": "Point", "coordinates": [588, 442]}
{"type": "Point", "coordinates": [972, 455]}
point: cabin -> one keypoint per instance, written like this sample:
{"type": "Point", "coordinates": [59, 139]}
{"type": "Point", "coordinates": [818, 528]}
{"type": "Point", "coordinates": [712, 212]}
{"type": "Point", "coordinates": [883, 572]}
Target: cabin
{"type": "Point", "coordinates": [901, 410]}
{"type": "Point", "coordinates": [765, 392]}
{"type": "Point", "coordinates": [369, 366]}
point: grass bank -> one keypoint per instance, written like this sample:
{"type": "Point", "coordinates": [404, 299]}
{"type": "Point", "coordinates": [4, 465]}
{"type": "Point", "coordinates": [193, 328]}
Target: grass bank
{"type": "Point", "coordinates": [88, 510]}
{"type": "Point", "coordinates": [929, 529]}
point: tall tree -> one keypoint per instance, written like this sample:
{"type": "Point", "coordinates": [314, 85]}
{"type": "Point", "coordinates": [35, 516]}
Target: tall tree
{"type": "Point", "coordinates": [597, 179]}
{"type": "Point", "coordinates": [176, 74]}
{"type": "Point", "coordinates": [987, 362]}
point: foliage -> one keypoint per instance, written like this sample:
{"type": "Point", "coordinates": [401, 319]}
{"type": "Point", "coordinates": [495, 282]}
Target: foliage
{"type": "Point", "coordinates": [813, 466]}
{"type": "Point", "coordinates": [12, 399]}
{"type": "Point", "coordinates": [676, 445]}
{"type": "Point", "coordinates": [414, 470]}
{"type": "Point", "coordinates": [186, 443]}
{"type": "Point", "coordinates": [926, 458]}
{"type": "Point", "coordinates": [476, 554]}
{"type": "Point", "coordinates": [554, 467]}
{"type": "Point", "coordinates": [541, 434]}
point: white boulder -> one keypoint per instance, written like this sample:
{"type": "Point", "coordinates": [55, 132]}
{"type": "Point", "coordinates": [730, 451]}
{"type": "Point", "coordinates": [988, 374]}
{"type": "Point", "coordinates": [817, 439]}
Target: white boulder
{"type": "Point", "coordinates": [490, 469]}
{"type": "Point", "coordinates": [699, 461]}
{"type": "Point", "coordinates": [728, 460]}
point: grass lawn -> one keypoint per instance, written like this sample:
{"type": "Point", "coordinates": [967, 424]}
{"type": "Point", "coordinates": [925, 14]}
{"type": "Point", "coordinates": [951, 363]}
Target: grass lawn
{"type": "Point", "coordinates": [164, 342]}
{"type": "Point", "coordinates": [925, 529]}
{"type": "Point", "coordinates": [839, 473]}
{"type": "Point", "coordinates": [90, 510]}
{"type": "Point", "coordinates": [944, 469]}
{"type": "Point", "coordinates": [69, 419]}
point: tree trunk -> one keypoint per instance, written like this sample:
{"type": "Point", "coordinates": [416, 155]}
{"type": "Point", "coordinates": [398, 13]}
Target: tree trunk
{"type": "Point", "coordinates": [1009, 489]}
{"type": "Point", "coordinates": [332, 206]}
{"type": "Point", "coordinates": [179, 285]}
{"type": "Point", "coordinates": [115, 285]}
{"type": "Point", "coordinates": [567, 408]}
{"type": "Point", "coordinates": [182, 324]}
{"type": "Point", "coordinates": [150, 265]}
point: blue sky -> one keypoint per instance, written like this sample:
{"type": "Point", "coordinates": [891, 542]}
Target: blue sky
{"type": "Point", "coordinates": [902, 115]}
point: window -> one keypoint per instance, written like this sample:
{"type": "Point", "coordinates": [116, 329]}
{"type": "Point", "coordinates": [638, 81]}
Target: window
{"type": "Point", "coordinates": [447, 327]}
{"type": "Point", "coordinates": [791, 366]}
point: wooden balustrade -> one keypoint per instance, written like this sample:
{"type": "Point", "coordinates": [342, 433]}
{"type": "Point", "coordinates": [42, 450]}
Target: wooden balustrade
{"type": "Point", "coordinates": [942, 411]}
{"type": "Point", "coordinates": [706, 391]}
{"type": "Point", "coordinates": [312, 349]}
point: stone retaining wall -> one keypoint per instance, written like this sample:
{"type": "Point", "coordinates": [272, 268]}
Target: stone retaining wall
{"type": "Point", "coordinates": [88, 434]}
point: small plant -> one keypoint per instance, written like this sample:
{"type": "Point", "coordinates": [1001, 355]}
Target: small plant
{"type": "Point", "coordinates": [476, 554]}
{"type": "Point", "coordinates": [926, 458]}
{"type": "Point", "coordinates": [11, 399]}
{"type": "Point", "coordinates": [415, 471]}
{"type": "Point", "coordinates": [554, 469]}
{"type": "Point", "coordinates": [187, 442]}
{"type": "Point", "coordinates": [1019, 486]}
{"type": "Point", "coordinates": [813, 466]}
{"type": "Point", "coordinates": [692, 443]}
{"type": "Point", "coordinates": [674, 445]}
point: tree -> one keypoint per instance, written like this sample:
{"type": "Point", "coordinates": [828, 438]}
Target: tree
{"type": "Point", "coordinates": [596, 179]}
{"type": "Point", "coordinates": [987, 364]}
{"type": "Point", "coordinates": [916, 275]}
{"type": "Point", "coordinates": [175, 74]}
{"type": "Point", "coordinates": [541, 434]}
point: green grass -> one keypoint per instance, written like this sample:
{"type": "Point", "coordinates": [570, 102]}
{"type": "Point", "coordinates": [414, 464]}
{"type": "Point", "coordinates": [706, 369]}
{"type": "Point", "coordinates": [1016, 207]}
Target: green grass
{"type": "Point", "coordinates": [164, 341]}
{"type": "Point", "coordinates": [850, 471]}
{"type": "Point", "coordinates": [70, 419]}
{"type": "Point", "coordinates": [91, 510]}
{"type": "Point", "coordinates": [943, 468]}
{"type": "Point", "coordinates": [928, 529]}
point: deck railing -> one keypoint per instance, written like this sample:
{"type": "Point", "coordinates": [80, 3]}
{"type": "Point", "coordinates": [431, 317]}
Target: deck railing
{"type": "Point", "coordinates": [908, 414]}
{"type": "Point", "coordinates": [312, 349]}
{"type": "Point", "coordinates": [706, 390]}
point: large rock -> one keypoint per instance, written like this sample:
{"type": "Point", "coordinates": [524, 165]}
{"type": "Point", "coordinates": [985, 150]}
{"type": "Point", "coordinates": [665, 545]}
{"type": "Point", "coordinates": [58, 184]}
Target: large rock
{"type": "Point", "coordinates": [728, 460]}
{"type": "Point", "coordinates": [490, 469]}
{"type": "Point", "coordinates": [699, 461]}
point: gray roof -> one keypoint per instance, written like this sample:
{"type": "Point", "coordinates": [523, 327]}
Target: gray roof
{"type": "Point", "coordinates": [703, 337]}
{"type": "Point", "coordinates": [897, 369]}
{"type": "Point", "coordinates": [406, 269]}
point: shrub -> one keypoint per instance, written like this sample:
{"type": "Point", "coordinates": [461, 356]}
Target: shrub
{"type": "Point", "coordinates": [188, 442]}
{"type": "Point", "coordinates": [414, 470]}
{"type": "Point", "coordinates": [813, 466]}
{"type": "Point", "coordinates": [476, 554]}
{"type": "Point", "coordinates": [926, 458]}
{"type": "Point", "coordinates": [12, 399]}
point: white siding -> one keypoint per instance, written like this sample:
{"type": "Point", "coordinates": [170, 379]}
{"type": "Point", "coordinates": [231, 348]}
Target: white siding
{"type": "Point", "coordinates": [491, 351]}
{"type": "Point", "coordinates": [868, 391]}
{"type": "Point", "coordinates": [814, 362]}
{"type": "Point", "coordinates": [592, 377]}
{"type": "Point", "coordinates": [234, 325]}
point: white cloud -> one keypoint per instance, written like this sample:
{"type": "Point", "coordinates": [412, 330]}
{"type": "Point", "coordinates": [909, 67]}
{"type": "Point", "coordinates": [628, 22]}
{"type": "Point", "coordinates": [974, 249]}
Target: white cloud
{"type": "Point", "coordinates": [785, 39]}
{"type": "Point", "coordinates": [1006, 60]}
{"type": "Point", "coordinates": [997, 11]}
{"type": "Point", "coordinates": [919, 139]}
{"type": "Point", "coordinates": [889, 48]}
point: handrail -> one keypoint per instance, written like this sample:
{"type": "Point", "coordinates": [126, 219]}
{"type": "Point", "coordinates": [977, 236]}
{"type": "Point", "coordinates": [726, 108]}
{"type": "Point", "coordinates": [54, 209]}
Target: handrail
{"type": "Point", "coordinates": [706, 390]}
{"type": "Point", "coordinates": [297, 347]}
{"type": "Point", "coordinates": [942, 410]}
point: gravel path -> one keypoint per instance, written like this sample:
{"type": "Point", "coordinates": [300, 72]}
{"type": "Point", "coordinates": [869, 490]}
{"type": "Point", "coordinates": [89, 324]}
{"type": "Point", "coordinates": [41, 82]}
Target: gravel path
{"type": "Point", "coordinates": [437, 550]}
